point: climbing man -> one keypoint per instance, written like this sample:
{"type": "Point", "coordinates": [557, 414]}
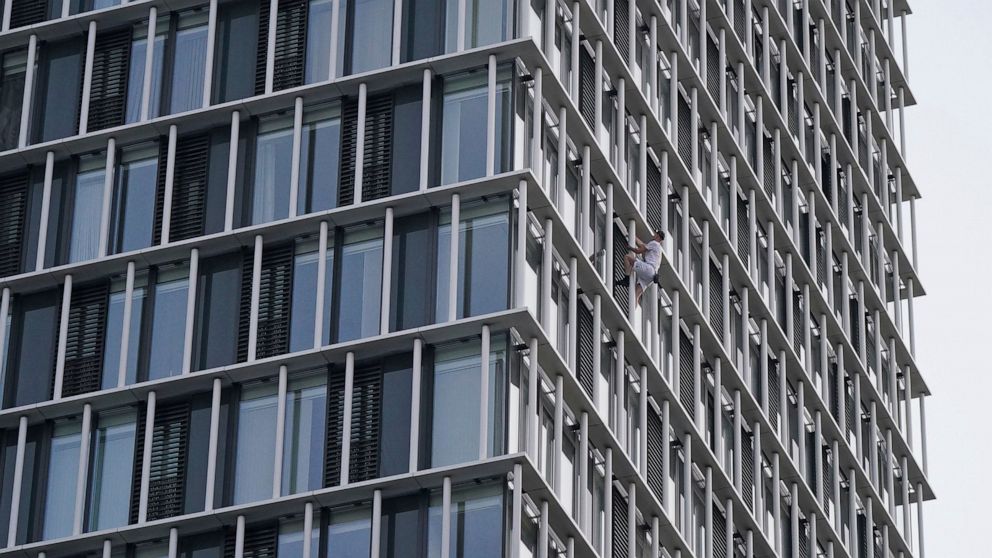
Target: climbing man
{"type": "Point", "coordinates": [645, 268]}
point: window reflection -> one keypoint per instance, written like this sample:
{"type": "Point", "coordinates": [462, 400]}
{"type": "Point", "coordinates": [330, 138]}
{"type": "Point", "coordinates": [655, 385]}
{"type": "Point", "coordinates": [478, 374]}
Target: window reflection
{"type": "Point", "coordinates": [115, 331]}
{"type": "Point", "coordinates": [318, 56]}
{"type": "Point", "coordinates": [360, 284]}
{"type": "Point", "coordinates": [349, 533]}
{"type": "Point", "coordinates": [256, 438]}
{"type": "Point", "coordinates": [303, 451]}
{"type": "Point", "coordinates": [273, 158]}
{"type": "Point", "coordinates": [87, 202]}
{"type": "Point", "coordinates": [319, 152]}
{"type": "Point", "coordinates": [136, 70]}
{"type": "Point", "coordinates": [189, 63]}
{"type": "Point", "coordinates": [110, 483]}
{"type": "Point", "coordinates": [60, 493]}
{"type": "Point", "coordinates": [134, 199]}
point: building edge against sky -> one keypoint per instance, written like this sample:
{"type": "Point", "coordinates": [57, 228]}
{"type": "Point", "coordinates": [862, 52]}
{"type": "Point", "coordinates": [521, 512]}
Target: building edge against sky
{"type": "Point", "coordinates": [237, 322]}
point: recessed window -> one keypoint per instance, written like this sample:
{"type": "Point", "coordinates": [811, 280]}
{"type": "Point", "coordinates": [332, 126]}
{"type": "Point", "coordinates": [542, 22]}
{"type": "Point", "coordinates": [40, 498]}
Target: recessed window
{"type": "Point", "coordinates": [11, 97]}
{"type": "Point", "coordinates": [189, 58]}
{"type": "Point", "coordinates": [360, 291]}
{"type": "Point", "coordinates": [134, 199]}
{"type": "Point", "coordinates": [253, 463]}
{"type": "Point", "coordinates": [273, 160]}
{"type": "Point", "coordinates": [320, 146]}
{"type": "Point", "coordinates": [303, 449]}
{"type": "Point", "coordinates": [349, 533]}
{"type": "Point", "coordinates": [60, 490]}
{"type": "Point", "coordinates": [110, 481]}
{"type": "Point", "coordinates": [86, 204]}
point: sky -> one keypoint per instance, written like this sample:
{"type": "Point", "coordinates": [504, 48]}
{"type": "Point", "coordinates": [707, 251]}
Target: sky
{"type": "Point", "coordinates": [949, 154]}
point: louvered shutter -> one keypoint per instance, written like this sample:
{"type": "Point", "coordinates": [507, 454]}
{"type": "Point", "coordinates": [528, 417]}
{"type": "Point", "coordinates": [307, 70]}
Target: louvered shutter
{"type": "Point", "coordinates": [793, 116]}
{"type": "Point", "coordinates": [261, 541]}
{"type": "Point", "coordinates": [585, 367]}
{"type": "Point", "coordinates": [261, 53]}
{"type": "Point", "coordinates": [842, 209]}
{"type": "Point", "coordinates": [862, 550]}
{"type": "Point", "coordinates": [768, 164]}
{"type": "Point", "coordinates": [108, 90]}
{"type": "Point", "coordinates": [687, 387]}
{"type": "Point", "coordinates": [27, 12]}
{"type": "Point", "coordinates": [656, 466]}
{"type": "Point", "coordinates": [167, 465]}
{"type": "Point", "coordinates": [291, 44]}
{"type": "Point", "coordinates": [620, 283]}
{"type": "Point", "coordinates": [621, 31]}
{"type": "Point", "coordinates": [85, 339]}
{"type": "Point", "coordinates": [244, 315]}
{"type": "Point", "coordinates": [747, 468]}
{"type": "Point", "coordinates": [656, 196]}
{"type": "Point", "coordinates": [712, 67]}
{"type": "Point", "coordinates": [821, 258]}
{"type": "Point", "coordinates": [740, 24]}
{"type": "Point", "coordinates": [856, 319]}
{"type": "Point", "coordinates": [189, 188]}
{"type": "Point", "coordinates": [852, 408]}
{"type": "Point", "coordinates": [334, 427]}
{"type": "Point", "coordinates": [828, 476]}
{"type": "Point", "coordinates": [719, 533]}
{"type": "Point", "coordinates": [274, 301]}
{"type": "Point", "coordinates": [619, 527]}
{"type": "Point", "coordinates": [774, 393]}
{"type": "Point", "coordinates": [743, 229]}
{"type": "Point", "coordinates": [377, 149]}
{"type": "Point", "coordinates": [798, 317]}
{"type": "Point", "coordinates": [587, 86]}
{"type": "Point", "coordinates": [834, 393]}
{"type": "Point", "coordinates": [804, 237]}
{"type": "Point", "coordinates": [13, 210]}
{"type": "Point", "coordinates": [685, 131]}
{"type": "Point", "coordinates": [349, 146]}
{"type": "Point", "coordinates": [716, 300]}
{"type": "Point", "coordinates": [366, 414]}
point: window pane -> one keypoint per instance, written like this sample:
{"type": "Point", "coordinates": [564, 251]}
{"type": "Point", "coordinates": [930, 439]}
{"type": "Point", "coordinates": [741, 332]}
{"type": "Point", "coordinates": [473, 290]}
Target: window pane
{"type": "Point", "coordinates": [11, 98]}
{"type": "Point", "coordinates": [463, 123]}
{"type": "Point", "coordinates": [349, 534]}
{"type": "Point", "coordinates": [397, 386]}
{"type": "Point", "coordinates": [476, 522]}
{"type": "Point", "coordinates": [32, 358]}
{"type": "Point", "coordinates": [400, 527]}
{"type": "Point", "coordinates": [110, 485]}
{"type": "Point", "coordinates": [237, 38]}
{"type": "Point", "coordinates": [60, 494]}
{"type": "Point", "coordinates": [361, 280]}
{"type": "Point", "coordinates": [273, 157]}
{"type": "Point", "coordinates": [372, 24]}
{"type": "Point", "coordinates": [319, 150]}
{"type": "Point", "coordinates": [304, 306]}
{"type": "Point", "coordinates": [318, 40]}
{"type": "Point", "coordinates": [168, 332]}
{"type": "Point", "coordinates": [134, 200]}
{"type": "Point", "coordinates": [303, 451]}
{"type": "Point", "coordinates": [190, 58]}
{"type": "Point", "coordinates": [291, 538]}
{"type": "Point", "coordinates": [255, 444]}
{"type": "Point", "coordinates": [455, 429]}
{"type": "Point", "coordinates": [84, 236]}
{"type": "Point", "coordinates": [409, 306]}
{"type": "Point", "coordinates": [487, 22]}
{"type": "Point", "coordinates": [483, 260]}
{"type": "Point", "coordinates": [115, 325]}
{"type": "Point", "coordinates": [219, 300]}
{"type": "Point", "coordinates": [60, 74]}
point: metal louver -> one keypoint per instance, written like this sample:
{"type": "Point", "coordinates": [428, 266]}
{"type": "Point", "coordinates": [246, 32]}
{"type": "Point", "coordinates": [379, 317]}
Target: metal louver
{"type": "Point", "coordinates": [27, 12]}
{"type": "Point", "coordinates": [798, 317]}
{"type": "Point", "coordinates": [377, 149]}
{"type": "Point", "coordinates": [189, 190]}
{"type": "Point", "coordinates": [160, 172]}
{"type": "Point", "coordinates": [656, 466]}
{"type": "Point", "coordinates": [719, 533]}
{"type": "Point", "coordinates": [13, 210]}
{"type": "Point", "coordinates": [743, 228]}
{"type": "Point", "coordinates": [687, 385]}
{"type": "Point", "coordinates": [262, 52]}
{"type": "Point", "coordinates": [768, 164]}
{"type": "Point", "coordinates": [716, 300]}
{"type": "Point", "coordinates": [740, 25]}
{"type": "Point", "coordinates": [585, 367]}
{"type": "Point", "coordinates": [587, 86]}
{"type": "Point", "coordinates": [774, 393]}
{"type": "Point", "coordinates": [334, 428]}
{"type": "Point", "coordinates": [686, 132]}
{"type": "Point", "coordinates": [167, 465]}
{"type": "Point", "coordinates": [291, 44]}
{"type": "Point", "coordinates": [85, 339]}
{"type": "Point", "coordinates": [349, 147]}
{"type": "Point", "coordinates": [244, 314]}
{"type": "Point", "coordinates": [620, 283]}
{"type": "Point", "coordinates": [366, 413]}
{"type": "Point", "coordinates": [108, 89]}
{"type": "Point", "coordinates": [261, 541]}
{"type": "Point", "coordinates": [621, 31]}
{"type": "Point", "coordinates": [656, 196]}
{"type": "Point", "coordinates": [274, 301]}
{"type": "Point", "coordinates": [747, 469]}
{"type": "Point", "coordinates": [712, 67]}
{"type": "Point", "coordinates": [619, 527]}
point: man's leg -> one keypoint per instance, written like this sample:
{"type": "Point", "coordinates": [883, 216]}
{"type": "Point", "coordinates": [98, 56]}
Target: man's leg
{"type": "Point", "coordinates": [638, 290]}
{"type": "Point", "coordinates": [628, 262]}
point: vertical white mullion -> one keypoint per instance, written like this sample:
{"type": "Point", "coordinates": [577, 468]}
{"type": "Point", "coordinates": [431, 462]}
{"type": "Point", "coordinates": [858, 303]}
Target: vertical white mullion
{"type": "Point", "coordinates": [461, 13]}
{"type": "Point", "coordinates": [707, 551]}
{"type": "Point", "coordinates": [126, 326]}
{"type": "Point", "coordinates": [738, 430]}
{"type": "Point", "coordinates": [597, 348]}
{"type": "Point", "coordinates": [559, 199]}
{"type": "Point", "coordinates": [642, 421]}
{"type": "Point", "coordinates": [46, 203]}
{"type": "Point", "coordinates": [546, 272]}
{"type": "Point", "coordinates": [108, 190]}
{"type": "Point", "coordinates": [363, 93]}
{"type": "Point", "coordinates": [146, 457]}
{"type": "Point", "coordinates": [239, 538]}
{"type": "Point", "coordinates": [307, 530]}
{"type": "Point", "coordinates": [446, 515]}
{"type": "Point", "coordinates": [598, 73]}
{"type": "Point", "coordinates": [642, 165]}
{"type": "Point", "coordinates": [4, 312]}
{"type": "Point", "coordinates": [573, 87]}
{"type": "Point", "coordinates": [294, 170]}
{"type": "Point", "coordinates": [211, 476]}
{"type": "Point", "coordinates": [173, 543]}
{"type": "Point", "coordinates": [491, 119]}
{"type": "Point", "coordinates": [453, 257]}
{"type": "Point", "coordinates": [194, 264]}
{"type": "Point", "coordinates": [516, 513]}
{"type": "Point", "coordinates": [232, 168]}
{"type": "Point", "coordinates": [559, 419]}
{"type": "Point", "coordinates": [270, 52]}
{"type": "Point", "coordinates": [146, 83]}
{"type": "Point", "coordinates": [256, 284]}
{"type": "Point", "coordinates": [397, 31]}
{"type": "Point", "coordinates": [387, 271]}
{"type": "Point", "coordinates": [536, 160]}
{"type": "Point", "coordinates": [349, 383]}
{"type": "Point", "coordinates": [666, 452]}
{"type": "Point", "coordinates": [82, 472]}
{"type": "Point", "coordinates": [573, 311]}
{"type": "Point", "coordinates": [84, 105]}
{"type": "Point", "coordinates": [583, 520]}
{"type": "Point", "coordinates": [586, 203]}
{"type": "Point", "coordinates": [208, 66]}
{"type": "Point", "coordinates": [418, 351]}
{"type": "Point", "coordinates": [533, 410]}
{"type": "Point", "coordinates": [542, 531]}
{"type": "Point", "coordinates": [484, 394]}
{"type": "Point", "coordinates": [170, 178]}
{"type": "Point", "coordinates": [520, 257]}
{"type": "Point", "coordinates": [280, 433]}
{"type": "Point", "coordinates": [332, 63]}
{"type": "Point", "coordinates": [22, 136]}
{"type": "Point", "coordinates": [376, 522]}
{"type": "Point", "coordinates": [673, 109]}
{"type": "Point", "coordinates": [425, 131]}
{"type": "Point", "coordinates": [318, 326]}
{"type": "Point", "coordinates": [15, 497]}
{"type": "Point", "coordinates": [7, 8]}
{"type": "Point", "coordinates": [63, 333]}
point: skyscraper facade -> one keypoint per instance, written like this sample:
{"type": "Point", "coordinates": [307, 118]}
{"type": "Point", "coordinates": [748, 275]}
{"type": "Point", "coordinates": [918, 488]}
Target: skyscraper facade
{"type": "Point", "coordinates": [348, 279]}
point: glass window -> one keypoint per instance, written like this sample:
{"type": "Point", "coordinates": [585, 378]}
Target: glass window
{"type": "Point", "coordinates": [234, 58]}
{"type": "Point", "coordinates": [33, 345]}
{"type": "Point", "coordinates": [303, 450]}
{"type": "Point", "coordinates": [115, 331]}
{"type": "Point", "coordinates": [424, 29]}
{"type": "Point", "coordinates": [189, 63]}
{"type": "Point", "coordinates": [110, 481]}
{"type": "Point", "coordinates": [397, 396]}
{"type": "Point", "coordinates": [290, 541]}
{"type": "Point", "coordinates": [168, 323]}
{"type": "Point", "coordinates": [318, 61]}
{"type": "Point", "coordinates": [154, 549]}
{"type": "Point", "coordinates": [219, 300]}
{"type": "Point", "coordinates": [370, 25]}
{"type": "Point", "coordinates": [56, 107]}
{"type": "Point", "coordinates": [360, 284]}
{"type": "Point", "coordinates": [349, 533]}
{"type": "Point", "coordinates": [136, 70]}
{"type": "Point", "coordinates": [134, 199]}
{"type": "Point", "coordinates": [11, 97]}
{"type": "Point", "coordinates": [304, 305]}
{"type": "Point", "coordinates": [253, 461]}
{"type": "Point", "coordinates": [60, 490]}
{"type": "Point", "coordinates": [319, 151]}
{"type": "Point", "coordinates": [463, 126]}
{"type": "Point", "coordinates": [476, 522]}
{"type": "Point", "coordinates": [202, 545]}
{"type": "Point", "coordinates": [401, 527]}
{"type": "Point", "coordinates": [457, 377]}
{"type": "Point", "coordinates": [483, 259]}
{"type": "Point", "coordinates": [273, 158]}
{"type": "Point", "coordinates": [409, 305]}
{"type": "Point", "coordinates": [487, 22]}
{"type": "Point", "coordinates": [87, 205]}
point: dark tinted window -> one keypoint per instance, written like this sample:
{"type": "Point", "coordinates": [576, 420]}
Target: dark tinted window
{"type": "Point", "coordinates": [32, 349]}
{"type": "Point", "coordinates": [59, 81]}
{"type": "Point", "coordinates": [237, 37]}
{"type": "Point", "coordinates": [219, 306]}
{"type": "Point", "coordinates": [411, 301]}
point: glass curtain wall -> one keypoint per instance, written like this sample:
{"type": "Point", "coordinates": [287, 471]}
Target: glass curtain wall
{"type": "Point", "coordinates": [255, 443]}
{"type": "Point", "coordinates": [360, 283]}
{"type": "Point", "coordinates": [86, 202]}
{"type": "Point", "coordinates": [133, 213]}
{"type": "Point", "coordinates": [60, 490]}
{"type": "Point", "coordinates": [303, 449]}
{"type": "Point", "coordinates": [319, 159]}
{"type": "Point", "coordinates": [188, 63]}
{"type": "Point", "coordinates": [110, 480]}
{"type": "Point", "coordinates": [273, 161]}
